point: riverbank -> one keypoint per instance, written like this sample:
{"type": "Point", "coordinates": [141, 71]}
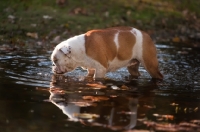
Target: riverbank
{"type": "Point", "coordinates": [42, 22]}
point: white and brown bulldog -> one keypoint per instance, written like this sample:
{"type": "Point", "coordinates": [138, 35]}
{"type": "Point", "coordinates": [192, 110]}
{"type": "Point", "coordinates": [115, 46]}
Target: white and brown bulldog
{"type": "Point", "coordinates": [105, 50]}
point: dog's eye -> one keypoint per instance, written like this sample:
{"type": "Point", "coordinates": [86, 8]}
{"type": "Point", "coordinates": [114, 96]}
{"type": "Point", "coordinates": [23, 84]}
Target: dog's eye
{"type": "Point", "coordinates": [55, 60]}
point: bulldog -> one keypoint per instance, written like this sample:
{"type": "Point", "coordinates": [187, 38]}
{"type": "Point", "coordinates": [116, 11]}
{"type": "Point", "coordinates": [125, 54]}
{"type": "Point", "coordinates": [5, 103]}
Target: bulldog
{"type": "Point", "coordinates": [104, 50]}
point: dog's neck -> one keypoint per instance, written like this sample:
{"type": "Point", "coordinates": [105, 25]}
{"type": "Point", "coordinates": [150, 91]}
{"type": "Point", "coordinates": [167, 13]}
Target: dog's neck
{"type": "Point", "coordinates": [77, 47]}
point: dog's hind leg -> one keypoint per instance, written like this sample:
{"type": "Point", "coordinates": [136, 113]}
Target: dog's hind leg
{"type": "Point", "coordinates": [133, 68]}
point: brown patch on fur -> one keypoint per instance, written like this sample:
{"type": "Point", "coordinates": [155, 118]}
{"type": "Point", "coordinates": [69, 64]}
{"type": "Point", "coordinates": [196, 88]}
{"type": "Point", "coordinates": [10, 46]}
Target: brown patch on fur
{"type": "Point", "coordinates": [150, 57]}
{"type": "Point", "coordinates": [100, 45]}
{"type": "Point", "coordinates": [126, 42]}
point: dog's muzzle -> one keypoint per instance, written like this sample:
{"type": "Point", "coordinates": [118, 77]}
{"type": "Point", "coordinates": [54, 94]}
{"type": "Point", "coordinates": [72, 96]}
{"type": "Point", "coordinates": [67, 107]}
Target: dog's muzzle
{"type": "Point", "coordinates": [57, 70]}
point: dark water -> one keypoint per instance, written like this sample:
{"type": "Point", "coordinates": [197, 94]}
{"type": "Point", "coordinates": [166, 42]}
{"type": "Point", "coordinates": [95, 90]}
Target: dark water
{"type": "Point", "coordinates": [33, 100]}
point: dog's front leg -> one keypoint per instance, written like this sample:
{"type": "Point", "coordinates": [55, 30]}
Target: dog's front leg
{"type": "Point", "coordinates": [91, 72]}
{"type": "Point", "coordinates": [100, 73]}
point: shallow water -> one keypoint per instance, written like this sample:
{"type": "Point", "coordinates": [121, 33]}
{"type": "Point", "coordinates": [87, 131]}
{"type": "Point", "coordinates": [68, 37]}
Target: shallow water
{"type": "Point", "coordinates": [33, 99]}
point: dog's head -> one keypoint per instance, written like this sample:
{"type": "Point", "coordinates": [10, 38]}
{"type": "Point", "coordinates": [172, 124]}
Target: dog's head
{"type": "Point", "coordinates": [61, 59]}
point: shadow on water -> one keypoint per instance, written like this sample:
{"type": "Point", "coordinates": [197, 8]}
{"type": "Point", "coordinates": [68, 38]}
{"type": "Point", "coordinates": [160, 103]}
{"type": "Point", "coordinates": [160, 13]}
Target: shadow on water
{"type": "Point", "coordinates": [33, 99]}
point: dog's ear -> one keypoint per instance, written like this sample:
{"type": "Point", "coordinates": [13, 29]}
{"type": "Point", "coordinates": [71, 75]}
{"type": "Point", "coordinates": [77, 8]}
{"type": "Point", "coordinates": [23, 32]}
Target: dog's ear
{"type": "Point", "coordinates": [66, 50]}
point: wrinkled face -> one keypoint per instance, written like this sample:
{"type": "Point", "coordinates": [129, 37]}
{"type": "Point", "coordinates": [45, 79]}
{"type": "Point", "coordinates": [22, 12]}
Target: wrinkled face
{"type": "Point", "coordinates": [61, 62]}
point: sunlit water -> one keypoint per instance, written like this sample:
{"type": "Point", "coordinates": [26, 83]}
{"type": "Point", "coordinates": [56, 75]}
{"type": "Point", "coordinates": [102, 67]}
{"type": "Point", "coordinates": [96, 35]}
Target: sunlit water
{"type": "Point", "coordinates": [33, 99]}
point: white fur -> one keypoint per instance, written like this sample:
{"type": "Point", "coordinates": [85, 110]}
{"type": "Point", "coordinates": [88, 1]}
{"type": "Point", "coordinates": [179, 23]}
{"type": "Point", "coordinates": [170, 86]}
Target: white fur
{"type": "Point", "coordinates": [137, 49]}
{"type": "Point", "coordinates": [116, 40]}
{"type": "Point", "coordinates": [77, 45]}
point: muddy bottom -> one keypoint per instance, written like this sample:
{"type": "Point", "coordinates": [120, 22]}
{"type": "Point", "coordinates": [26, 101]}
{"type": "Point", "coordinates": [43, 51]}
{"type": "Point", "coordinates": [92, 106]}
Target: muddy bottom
{"type": "Point", "coordinates": [33, 99]}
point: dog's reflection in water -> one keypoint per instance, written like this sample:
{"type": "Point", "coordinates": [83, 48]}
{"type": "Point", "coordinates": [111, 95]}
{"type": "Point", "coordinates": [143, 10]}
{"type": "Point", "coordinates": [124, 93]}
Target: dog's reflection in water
{"type": "Point", "coordinates": [96, 107]}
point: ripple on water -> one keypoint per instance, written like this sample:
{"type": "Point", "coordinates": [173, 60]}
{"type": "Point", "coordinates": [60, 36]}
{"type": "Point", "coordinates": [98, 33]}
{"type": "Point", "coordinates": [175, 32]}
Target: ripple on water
{"type": "Point", "coordinates": [116, 103]}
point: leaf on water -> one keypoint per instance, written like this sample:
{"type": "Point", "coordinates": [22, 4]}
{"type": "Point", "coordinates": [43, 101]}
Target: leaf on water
{"type": "Point", "coordinates": [32, 35]}
{"type": "Point", "coordinates": [196, 109]}
{"type": "Point", "coordinates": [84, 104]}
{"type": "Point", "coordinates": [95, 98]}
{"type": "Point", "coordinates": [115, 87]}
{"type": "Point", "coordinates": [148, 106]}
{"type": "Point", "coordinates": [42, 89]}
{"type": "Point", "coordinates": [155, 115]}
{"type": "Point", "coordinates": [127, 112]}
{"type": "Point", "coordinates": [124, 87]}
{"type": "Point", "coordinates": [170, 117]}
{"type": "Point", "coordinates": [174, 104]}
{"type": "Point", "coordinates": [185, 110]}
{"type": "Point", "coordinates": [176, 109]}
{"type": "Point", "coordinates": [96, 85]}
{"type": "Point", "coordinates": [86, 115]}
{"type": "Point", "coordinates": [113, 96]}
{"type": "Point", "coordinates": [60, 91]}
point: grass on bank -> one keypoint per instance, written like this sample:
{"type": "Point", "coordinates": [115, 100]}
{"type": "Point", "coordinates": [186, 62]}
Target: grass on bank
{"type": "Point", "coordinates": [49, 19]}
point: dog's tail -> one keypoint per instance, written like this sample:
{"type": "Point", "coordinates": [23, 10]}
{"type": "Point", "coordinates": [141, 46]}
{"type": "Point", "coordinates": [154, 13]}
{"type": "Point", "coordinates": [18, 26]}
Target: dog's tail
{"type": "Point", "coordinates": [150, 61]}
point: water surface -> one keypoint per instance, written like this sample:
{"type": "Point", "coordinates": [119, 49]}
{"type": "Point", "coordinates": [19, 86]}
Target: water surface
{"type": "Point", "coordinates": [33, 99]}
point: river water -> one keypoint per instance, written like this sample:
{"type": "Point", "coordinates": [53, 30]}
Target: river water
{"type": "Point", "coordinates": [32, 99]}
